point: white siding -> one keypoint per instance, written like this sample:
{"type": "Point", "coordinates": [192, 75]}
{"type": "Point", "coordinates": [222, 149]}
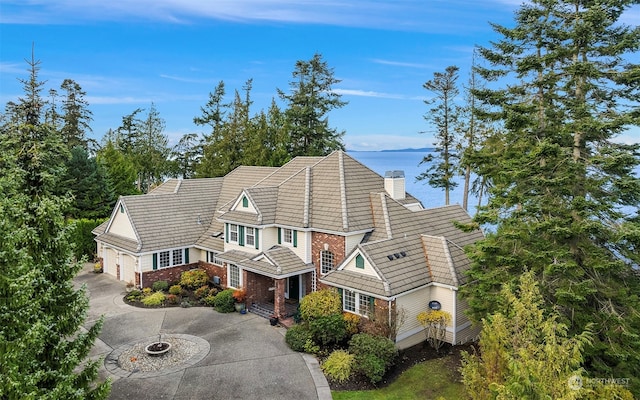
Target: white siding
{"type": "Point", "coordinates": [235, 246]}
{"type": "Point", "coordinates": [268, 237]}
{"type": "Point", "coordinates": [146, 262]}
{"type": "Point", "coordinates": [121, 225]}
{"type": "Point", "coordinates": [412, 304]}
{"type": "Point", "coordinates": [367, 270]}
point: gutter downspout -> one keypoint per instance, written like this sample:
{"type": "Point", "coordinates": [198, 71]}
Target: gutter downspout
{"type": "Point", "coordinates": [454, 318]}
{"type": "Point", "coordinates": [139, 265]}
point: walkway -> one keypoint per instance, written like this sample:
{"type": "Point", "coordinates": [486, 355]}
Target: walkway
{"type": "Point", "coordinates": [247, 358]}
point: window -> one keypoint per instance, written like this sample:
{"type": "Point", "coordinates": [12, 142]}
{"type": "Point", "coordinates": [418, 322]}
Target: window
{"type": "Point", "coordinates": [245, 202]}
{"type": "Point", "coordinates": [121, 208]}
{"type": "Point", "coordinates": [326, 262]}
{"type": "Point", "coordinates": [164, 259]}
{"type": "Point", "coordinates": [177, 257]}
{"type": "Point", "coordinates": [212, 257]}
{"type": "Point", "coordinates": [287, 236]}
{"type": "Point", "coordinates": [357, 303]}
{"type": "Point", "coordinates": [349, 301]}
{"type": "Point", "coordinates": [234, 276]}
{"type": "Point", "coordinates": [233, 233]}
{"type": "Point", "coordinates": [170, 258]}
{"type": "Point", "coordinates": [250, 236]}
{"type": "Point", "coordinates": [359, 261]}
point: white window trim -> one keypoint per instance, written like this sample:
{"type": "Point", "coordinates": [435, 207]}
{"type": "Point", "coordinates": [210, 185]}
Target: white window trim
{"type": "Point", "coordinates": [357, 301]}
{"type": "Point", "coordinates": [212, 257]}
{"type": "Point", "coordinates": [170, 263]}
{"type": "Point", "coordinates": [333, 259]}
{"type": "Point", "coordinates": [284, 236]}
{"type": "Point", "coordinates": [247, 236]}
{"type": "Point", "coordinates": [229, 276]}
{"type": "Point", "coordinates": [231, 232]}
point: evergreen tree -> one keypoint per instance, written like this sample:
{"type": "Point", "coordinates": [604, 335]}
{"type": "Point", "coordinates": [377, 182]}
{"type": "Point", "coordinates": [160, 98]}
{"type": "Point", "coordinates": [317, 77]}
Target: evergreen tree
{"type": "Point", "coordinates": [151, 150]}
{"type": "Point", "coordinates": [308, 103]}
{"type": "Point", "coordinates": [563, 190]}
{"type": "Point", "coordinates": [76, 115]}
{"type": "Point", "coordinates": [43, 353]}
{"type": "Point", "coordinates": [120, 171]}
{"type": "Point", "coordinates": [186, 156]}
{"type": "Point", "coordinates": [213, 114]}
{"type": "Point", "coordinates": [87, 181]}
{"type": "Point", "coordinates": [444, 115]}
{"type": "Point", "coordinates": [526, 353]}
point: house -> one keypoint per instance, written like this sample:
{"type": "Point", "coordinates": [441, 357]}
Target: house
{"type": "Point", "coordinates": [281, 233]}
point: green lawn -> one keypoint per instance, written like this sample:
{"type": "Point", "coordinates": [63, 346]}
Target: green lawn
{"type": "Point", "coordinates": [431, 379]}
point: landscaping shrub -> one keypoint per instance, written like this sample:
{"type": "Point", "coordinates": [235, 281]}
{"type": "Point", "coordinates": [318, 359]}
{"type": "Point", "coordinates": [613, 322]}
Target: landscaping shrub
{"type": "Point", "coordinates": [213, 292]}
{"type": "Point", "coordinates": [297, 337]}
{"type": "Point", "coordinates": [328, 330]}
{"type": "Point", "coordinates": [194, 278]}
{"type": "Point", "coordinates": [160, 286]}
{"type": "Point", "coordinates": [134, 295]}
{"type": "Point", "coordinates": [224, 301]}
{"type": "Point", "coordinates": [322, 303]}
{"type": "Point", "coordinates": [147, 291]}
{"type": "Point", "coordinates": [172, 299]}
{"type": "Point", "coordinates": [175, 289]}
{"type": "Point", "coordinates": [339, 365]}
{"type": "Point", "coordinates": [209, 300]}
{"type": "Point", "coordinates": [311, 347]}
{"type": "Point", "coordinates": [201, 292]}
{"type": "Point", "coordinates": [373, 355]}
{"type": "Point", "coordinates": [155, 299]}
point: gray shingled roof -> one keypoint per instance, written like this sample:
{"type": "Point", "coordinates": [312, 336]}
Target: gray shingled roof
{"type": "Point", "coordinates": [358, 282]}
{"type": "Point", "coordinates": [409, 249]}
{"type": "Point", "coordinates": [277, 262]}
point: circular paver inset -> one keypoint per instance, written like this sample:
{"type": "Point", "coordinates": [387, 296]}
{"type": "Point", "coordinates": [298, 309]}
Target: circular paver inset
{"type": "Point", "coordinates": [130, 360]}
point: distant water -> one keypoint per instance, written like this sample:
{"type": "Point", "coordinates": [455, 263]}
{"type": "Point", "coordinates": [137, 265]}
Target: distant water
{"type": "Point", "coordinates": [407, 161]}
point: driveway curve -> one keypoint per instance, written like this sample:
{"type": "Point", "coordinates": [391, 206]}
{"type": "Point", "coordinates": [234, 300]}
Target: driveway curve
{"type": "Point", "coordinates": [247, 358]}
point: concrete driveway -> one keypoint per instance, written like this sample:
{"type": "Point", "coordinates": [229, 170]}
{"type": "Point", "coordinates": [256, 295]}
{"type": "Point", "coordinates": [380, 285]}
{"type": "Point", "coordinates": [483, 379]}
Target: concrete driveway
{"type": "Point", "coordinates": [240, 357]}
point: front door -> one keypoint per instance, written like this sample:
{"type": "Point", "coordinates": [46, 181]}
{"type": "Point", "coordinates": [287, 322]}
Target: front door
{"type": "Point", "coordinates": [293, 287]}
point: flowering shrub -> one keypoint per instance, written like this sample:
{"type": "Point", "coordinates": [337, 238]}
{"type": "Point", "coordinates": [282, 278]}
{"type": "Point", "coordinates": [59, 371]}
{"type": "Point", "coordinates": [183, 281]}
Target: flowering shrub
{"type": "Point", "coordinates": [239, 295]}
{"type": "Point", "coordinates": [172, 299]}
{"type": "Point", "coordinates": [201, 292]}
{"type": "Point", "coordinates": [351, 322]}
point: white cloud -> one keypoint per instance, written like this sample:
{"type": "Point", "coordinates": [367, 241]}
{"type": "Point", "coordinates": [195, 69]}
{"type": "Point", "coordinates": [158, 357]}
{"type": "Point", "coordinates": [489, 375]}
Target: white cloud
{"type": "Point", "coordinates": [368, 93]}
{"type": "Point", "coordinates": [402, 64]}
{"type": "Point", "coordinates": [187, 80]}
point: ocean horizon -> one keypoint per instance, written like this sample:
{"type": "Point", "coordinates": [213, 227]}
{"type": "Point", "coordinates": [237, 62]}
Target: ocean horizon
{"type": "Point", "coordinates": [408, 160]}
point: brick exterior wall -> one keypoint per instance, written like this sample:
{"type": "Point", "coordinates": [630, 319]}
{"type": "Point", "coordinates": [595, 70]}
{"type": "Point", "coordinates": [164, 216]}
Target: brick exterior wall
{"type": "Point", "coordinates": [278, 301]}
{"type": "Point", "coordinates": [170, 275]}
{"type": "Point", "coordinates": [215, 270]}
{"type": "Point", "coordinates": [336, 245]}
{"type": "Point", "coordinates": [257, 287]}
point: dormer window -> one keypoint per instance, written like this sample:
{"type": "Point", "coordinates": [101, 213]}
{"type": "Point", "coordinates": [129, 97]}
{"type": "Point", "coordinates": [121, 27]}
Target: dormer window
{"type": "Point", "coordinates": [359, 261]}
{"type": "Point", "coordinates": [245, 202]}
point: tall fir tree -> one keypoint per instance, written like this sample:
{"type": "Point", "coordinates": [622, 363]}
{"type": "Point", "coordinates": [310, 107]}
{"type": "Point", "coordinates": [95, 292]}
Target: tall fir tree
{"type": "Point", "coordinates": [310, 99]}
{"type": "Point", "coordinates": [43, 352]}
{"type": "Point", "coordinates": [443, 163]}
{"type": "Point", "coordinates": [564, 192]}
{"type": "Point", "coordinates": [76, 116]}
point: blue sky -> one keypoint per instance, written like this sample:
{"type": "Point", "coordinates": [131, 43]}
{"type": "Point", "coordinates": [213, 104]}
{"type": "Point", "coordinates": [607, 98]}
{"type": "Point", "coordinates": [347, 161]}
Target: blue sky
{"type": "Point", "coordinates": [127, 54]}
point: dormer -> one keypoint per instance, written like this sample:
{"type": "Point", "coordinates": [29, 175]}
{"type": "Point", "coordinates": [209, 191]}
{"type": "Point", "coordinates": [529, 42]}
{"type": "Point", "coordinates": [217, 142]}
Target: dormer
{"type": "Point", "coordinates": [244, 204]}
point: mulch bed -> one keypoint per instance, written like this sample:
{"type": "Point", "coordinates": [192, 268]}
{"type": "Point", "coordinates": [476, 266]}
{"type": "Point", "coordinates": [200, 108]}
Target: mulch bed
{"type": "Point", "coordinates": [407, 358]}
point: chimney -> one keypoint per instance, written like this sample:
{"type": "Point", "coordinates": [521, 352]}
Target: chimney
{"type": "Point", "coordinates": [394, 184]}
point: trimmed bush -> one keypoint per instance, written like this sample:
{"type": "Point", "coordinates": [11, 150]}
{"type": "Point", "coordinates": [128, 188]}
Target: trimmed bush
{"type": "Point", "coordinates": [297, 337]}
{"type": "Point", "coordinates": [322, 303]}
{"type": "Point", "coordinates": [176, 290]}
{"type": "Point", "coordinates": [339, 365]}
{"type": "Point", "coordinates": [134, 295]}
{"type": "Point", "coordinates": [373, 355]}
{"type": "Point", "coordinates": [160, 286]}
{"type": "Point", "coordinates": [328, 330]}
{"type": "Point", "coordinates": [201, 292]}
{"type": "Point", "coordinates": [209, 300]}
{"type": "Point", "coordinates": [194, 278]}
{"type": "Point", "coordinates": [147, 291]}
{"type": "Point", "coordinates": [224, 301]}
{"type": "Point", "coordinates": [172, 299]}
{"type": "Point", "coordinates": [155, 299]}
